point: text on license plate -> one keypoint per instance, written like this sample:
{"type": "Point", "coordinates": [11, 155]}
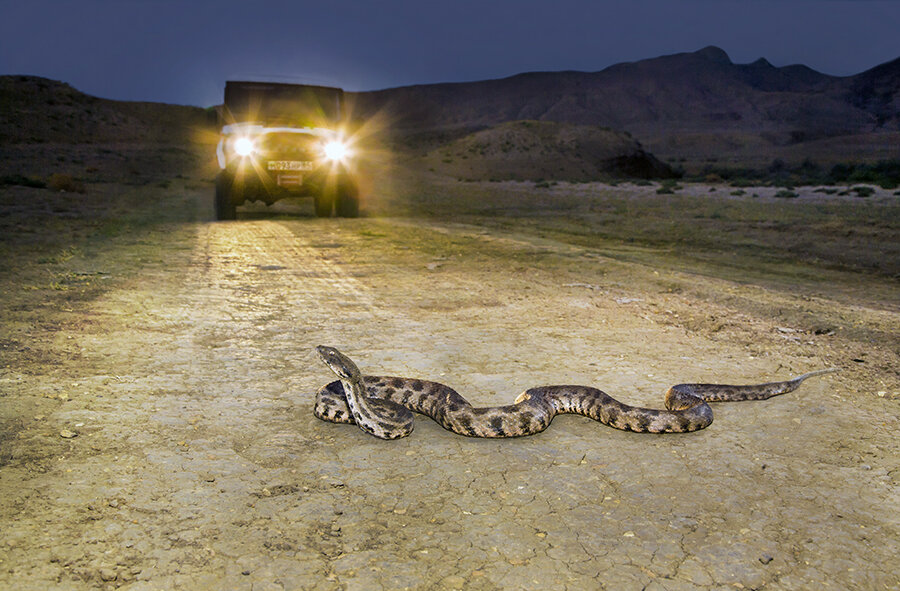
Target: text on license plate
{"type": "Point", "coordinates": [290, 165]}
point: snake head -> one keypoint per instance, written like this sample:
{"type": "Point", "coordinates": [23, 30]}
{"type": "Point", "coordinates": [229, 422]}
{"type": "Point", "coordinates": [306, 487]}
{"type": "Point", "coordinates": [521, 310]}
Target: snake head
{"type": "Point", "coordinates": [339, 363]}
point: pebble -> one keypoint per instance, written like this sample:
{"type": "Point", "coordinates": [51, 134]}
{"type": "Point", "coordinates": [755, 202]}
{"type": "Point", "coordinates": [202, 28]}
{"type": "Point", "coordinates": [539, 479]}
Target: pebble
{"type": "Point", "coordinates": [67, 434]}
{"type": "Point", "coordinates": [107, 574]}
{"type": "Point", "coordinates": [628, 300]}
{"type": "Point", "coordinates": [453, 582]}
{"type": "Point", "coordinates": [765, 559]}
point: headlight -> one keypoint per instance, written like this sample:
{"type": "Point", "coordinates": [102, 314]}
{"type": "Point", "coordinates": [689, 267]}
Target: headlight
{"type": "Point", "coordinates": [243, 146]}
{"type": "Point", "coordinates": [336, 150]}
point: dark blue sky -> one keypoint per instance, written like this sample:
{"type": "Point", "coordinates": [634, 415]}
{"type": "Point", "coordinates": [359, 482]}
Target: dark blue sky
{"type": "Point", "coordinates": [182, 51]}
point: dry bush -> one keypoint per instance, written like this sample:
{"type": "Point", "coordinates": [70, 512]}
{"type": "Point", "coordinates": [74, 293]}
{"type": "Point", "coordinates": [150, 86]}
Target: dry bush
{"type": "Point", "coordinates": [65, 182]}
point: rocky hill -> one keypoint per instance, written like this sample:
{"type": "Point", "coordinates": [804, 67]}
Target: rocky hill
{"type": "Point", "coordinates": [38, 110]}
{"type": "Point", "coordinates": [535, 150]}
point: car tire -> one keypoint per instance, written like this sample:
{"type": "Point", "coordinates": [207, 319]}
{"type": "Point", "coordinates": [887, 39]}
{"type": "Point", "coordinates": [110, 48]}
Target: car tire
{"type": "Point", "coordinates": [324, 204]}
{"type": "Point", "coordinates": [225, 198]}
{"type": "Point", "coordinates": [348, 199]}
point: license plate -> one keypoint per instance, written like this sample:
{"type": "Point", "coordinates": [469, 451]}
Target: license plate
{"type": "Point", "coordinates": [290, 165]}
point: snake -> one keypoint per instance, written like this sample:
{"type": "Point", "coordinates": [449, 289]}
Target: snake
{"type": "Point", "coordinates": [383, 406]}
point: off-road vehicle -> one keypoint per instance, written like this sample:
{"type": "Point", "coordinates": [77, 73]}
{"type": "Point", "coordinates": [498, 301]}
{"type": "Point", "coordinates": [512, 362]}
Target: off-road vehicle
{"type": "Point", "coordinates": [284, 140]}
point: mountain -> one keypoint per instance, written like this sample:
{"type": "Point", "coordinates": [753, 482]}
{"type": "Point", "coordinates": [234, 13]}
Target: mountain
{"type": "Point", "coordinates": [675, 104]}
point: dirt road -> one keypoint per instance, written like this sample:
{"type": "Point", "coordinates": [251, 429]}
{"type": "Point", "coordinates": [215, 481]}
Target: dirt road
{"type": "Point", "coordinates": [187, 380]}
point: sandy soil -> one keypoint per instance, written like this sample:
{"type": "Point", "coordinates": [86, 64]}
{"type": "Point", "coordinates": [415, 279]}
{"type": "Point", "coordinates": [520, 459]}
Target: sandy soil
{"type": "Point", "coordinates": [157, 392]}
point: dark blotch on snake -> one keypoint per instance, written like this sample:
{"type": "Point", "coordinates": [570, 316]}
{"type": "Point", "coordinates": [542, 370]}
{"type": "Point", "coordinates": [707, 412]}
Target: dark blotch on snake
{"type": "Point", "coordinates": [497, 426]}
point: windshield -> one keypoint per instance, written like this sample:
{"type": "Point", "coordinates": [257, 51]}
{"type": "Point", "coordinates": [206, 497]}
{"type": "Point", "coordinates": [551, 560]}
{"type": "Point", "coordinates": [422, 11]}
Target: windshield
{"type": "Point", "coordinates": [283, 104]}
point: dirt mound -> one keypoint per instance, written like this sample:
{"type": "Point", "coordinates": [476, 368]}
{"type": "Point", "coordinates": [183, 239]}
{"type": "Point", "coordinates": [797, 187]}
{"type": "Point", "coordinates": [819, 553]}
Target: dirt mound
{"type": "Point", "coordinates": [38, 110]}
{"type": "Point", "coordinates": [536, 150]}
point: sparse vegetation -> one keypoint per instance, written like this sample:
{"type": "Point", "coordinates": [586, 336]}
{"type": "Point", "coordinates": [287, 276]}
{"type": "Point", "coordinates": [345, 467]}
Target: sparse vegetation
{"type": "Point", "coordinates": [786, 194]}
{"type": "Point", "coordinates": [885, 174]}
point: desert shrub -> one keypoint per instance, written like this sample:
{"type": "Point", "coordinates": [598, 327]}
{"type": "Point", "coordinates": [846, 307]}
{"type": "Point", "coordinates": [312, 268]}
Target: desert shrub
{"type": "Point", "coordinates": [739, 192]}
{"type": "Point", "coordinates": [841, 172]}
{"type": "Point", "coordinates": [668, 186]}
{"type": "Point", "coordinates": [786, 194]}
{"type": "Point", "coordinates": [863, 191]}
{"type": "Point", "coordinates": [23, 181]}
{"type": "Point", "coordinates": [64, 182]}
{"type": "Point", "coordinates": [777, 166]}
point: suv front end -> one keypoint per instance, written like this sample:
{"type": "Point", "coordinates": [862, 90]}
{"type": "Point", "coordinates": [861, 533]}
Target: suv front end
{"type": "Point", "coordinates": [271, 163]}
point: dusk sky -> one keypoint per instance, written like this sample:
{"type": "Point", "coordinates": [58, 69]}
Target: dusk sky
{"type": "Point", "coordinates": [182, 51]}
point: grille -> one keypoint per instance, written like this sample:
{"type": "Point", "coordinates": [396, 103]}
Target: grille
{"type": "Point", "coordinates": [289, 146]}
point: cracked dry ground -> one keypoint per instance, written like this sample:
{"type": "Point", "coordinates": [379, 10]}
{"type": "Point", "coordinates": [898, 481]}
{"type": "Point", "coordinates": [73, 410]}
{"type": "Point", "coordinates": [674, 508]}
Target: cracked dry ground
{"type": "Point", "coordinates": [198, 463]}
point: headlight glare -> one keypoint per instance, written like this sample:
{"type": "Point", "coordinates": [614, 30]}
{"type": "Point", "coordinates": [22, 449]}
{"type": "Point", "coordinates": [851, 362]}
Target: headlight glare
{"type": "Point", "coordinates": [243, 146]}
{"type": "Point", "coordinates": [336, 150]}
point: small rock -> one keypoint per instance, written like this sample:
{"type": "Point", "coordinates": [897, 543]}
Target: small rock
{"type": "Point", "coordinates": [628, 534]}
{"type": "Point", "coordinates": [245, 572]}
{"type": "Point", "coordinates": [453, 582]}
{"type": "Point", "coordinates": [765, 559]}
{"type": "Point", "coordinates": [67, 434]}
{"type": "Point", "coordinates": [107, 574]}
{"type": "Point", "coordinates": [628, 300]}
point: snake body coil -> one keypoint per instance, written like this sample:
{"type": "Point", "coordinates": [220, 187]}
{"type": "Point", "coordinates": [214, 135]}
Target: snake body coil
{"type": "Point", "coordinates": [384, 406]}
